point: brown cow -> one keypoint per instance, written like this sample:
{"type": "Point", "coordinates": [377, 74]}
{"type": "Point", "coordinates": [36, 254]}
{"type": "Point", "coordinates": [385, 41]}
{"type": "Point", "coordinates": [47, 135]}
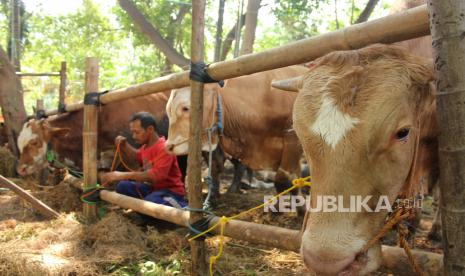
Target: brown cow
{"type": "Point", "coordinates": [256, 120]}
{"type": "Point", "coordinates": [64, 132]}
{"type": "Point", "coordinates": [364, 119]}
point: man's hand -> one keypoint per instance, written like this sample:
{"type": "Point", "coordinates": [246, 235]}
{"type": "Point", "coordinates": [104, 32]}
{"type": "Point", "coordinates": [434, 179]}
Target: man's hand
{"type": "Point", "coordinates": [120, 140]}
{"type": "Point", "coordinates": [112, 176]}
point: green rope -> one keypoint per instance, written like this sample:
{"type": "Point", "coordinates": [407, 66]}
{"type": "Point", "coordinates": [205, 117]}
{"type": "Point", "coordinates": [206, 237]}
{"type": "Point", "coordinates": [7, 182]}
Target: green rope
{"type": "Point", "coordinates": [50, 155]}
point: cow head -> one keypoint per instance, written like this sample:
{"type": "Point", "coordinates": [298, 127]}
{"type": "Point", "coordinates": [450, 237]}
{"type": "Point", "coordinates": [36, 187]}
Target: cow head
{"type": "Point", "coordinates": [178, 109]}
{"type": "Point", "coordinates": [360, 116]}
{"type": "Point", "coordinates": [32, 144]}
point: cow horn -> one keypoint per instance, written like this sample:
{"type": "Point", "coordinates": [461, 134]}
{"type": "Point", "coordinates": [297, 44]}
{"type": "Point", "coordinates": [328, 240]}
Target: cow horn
{"type": "Point", "coordinates": [292, 85]}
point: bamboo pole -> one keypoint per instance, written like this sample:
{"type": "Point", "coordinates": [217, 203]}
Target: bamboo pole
{"type": "Point", "coordinates": [89, 135]}
{"type": "Point", "coordinates": [194, 160]}
{"type": "Point", "coordinates": [62, 91]}
{"type": "Point", "coordinates": [39, 104]}
{"type": "Point", "coordinates": [36, 204]}
{"type": "Point", "coordinates": [394, 258]}
{"type": "Point", "coordinates": [21, 74]}
{"type": "Point", "coordinates": [405, 25]}
{"type": "Point", "coordinates": [39, 111]}
{"type": "Point", "coordinates": [447, 29]}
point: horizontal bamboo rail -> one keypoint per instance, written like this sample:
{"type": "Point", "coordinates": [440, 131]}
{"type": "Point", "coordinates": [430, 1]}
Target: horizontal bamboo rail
{"type": "Point", "coordinates": [21, 74]}
{"type": "Point", "coordinates": [405, 25]}
{"type": "Point", "coordinates": [394, 258]}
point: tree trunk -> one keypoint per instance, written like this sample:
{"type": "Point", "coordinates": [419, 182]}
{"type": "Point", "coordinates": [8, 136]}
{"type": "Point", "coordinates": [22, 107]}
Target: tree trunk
{"type": "Point", "coordinates": [147, 29]}
{"type": "Point", "coordinates": [14, 41]}
{"type": "Point", "coordinates": [335, 14]}
{"type": "Point", "coordinates": [11, 101]}
{"type": "Point", "coordinates": [250, 25]}
{"type": "Point", "coordinates": [227, 43]}
{"type": "Point", "coordinates": [367, 11]}
{"type": "Point", "coordinates": [447, 23]}
{"type": "Point", "coordinates": [237, 34]}
{"type": "Point", "coordinates": [219, 31]}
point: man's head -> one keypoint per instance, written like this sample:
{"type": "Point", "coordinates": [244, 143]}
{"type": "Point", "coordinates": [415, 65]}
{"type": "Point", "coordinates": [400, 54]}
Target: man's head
{"type": "Point", "coordinates": [142, 125]}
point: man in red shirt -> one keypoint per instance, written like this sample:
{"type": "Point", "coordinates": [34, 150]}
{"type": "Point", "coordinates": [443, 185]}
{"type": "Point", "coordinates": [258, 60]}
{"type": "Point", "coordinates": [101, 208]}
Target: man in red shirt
{"type": "Point", "coordinates": [159, 179]}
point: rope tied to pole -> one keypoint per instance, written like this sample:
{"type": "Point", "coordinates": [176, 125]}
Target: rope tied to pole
{"type": "Point", "coordinates": [91, 195]}
{"type": "Point", "coordinates": [296, 183]}
{"type": "Point", "coordinates": [199, 73]}
{"type": "Point", "coordinates": [395, 219]}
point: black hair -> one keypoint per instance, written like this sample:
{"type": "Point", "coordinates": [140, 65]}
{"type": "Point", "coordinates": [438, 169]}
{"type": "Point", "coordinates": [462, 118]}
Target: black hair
{"type": "Point", "coordinates": [146, 119]}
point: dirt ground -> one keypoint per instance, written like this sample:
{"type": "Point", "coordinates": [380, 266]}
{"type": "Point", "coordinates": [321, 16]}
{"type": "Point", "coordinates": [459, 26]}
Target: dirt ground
{"type": "Point", "coordinates": [119, 245]}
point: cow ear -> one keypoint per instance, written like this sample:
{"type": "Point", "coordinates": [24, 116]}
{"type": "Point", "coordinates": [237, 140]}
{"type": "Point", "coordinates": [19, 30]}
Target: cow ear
{"type": "Point", "coordinates": [292, 85]}
{"type": "Point", "coordinates": [344, 88]}
{"type": "Point", "coordinates": [421, 74]}
{"type": "Point", "coordinates": [58, 132]}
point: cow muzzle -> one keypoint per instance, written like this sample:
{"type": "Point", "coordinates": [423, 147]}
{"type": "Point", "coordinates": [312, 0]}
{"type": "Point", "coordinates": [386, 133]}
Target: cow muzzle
{"type": "Point", "coordinates": [177, 146]}
{"type": "Point", "coordinates": [338, 256]}
{"type": "Point", "coordinates": [23, 170]}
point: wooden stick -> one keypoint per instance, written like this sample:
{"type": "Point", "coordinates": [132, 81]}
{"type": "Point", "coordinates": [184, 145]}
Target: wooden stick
{"type": "Point", "coordinates": [405, 25]}
{"type": "Point", "coordinates": [394, 258]}
{"type": "Point", "coordinates": [63, 80]}
{"type": "Point", "coordinates": [194, 160]}
{"type": "Point", "coordinates": [21, 74]}
{"type": "Point", "coordinates": [39, 111]}
{"type": "Point", "coordinates": [89, 135]}
{"type": "Point", "coordinates": [37, 204]}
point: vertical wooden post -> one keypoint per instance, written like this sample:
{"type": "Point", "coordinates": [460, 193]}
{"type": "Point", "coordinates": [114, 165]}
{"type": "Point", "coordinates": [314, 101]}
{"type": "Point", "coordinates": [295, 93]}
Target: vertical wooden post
{"type": "Point", "coordinates": [63, 80]}
{"type": "Point", "coordinates": [194, 160]}
{"type": "Point", "coordinates": [39, 109]}
{"type": "Point", "coordinates": [39, 104]}
{"type": "Point", "coordinates": [447, 23]}
{"type": "Point", "coordinates": [89, 135]}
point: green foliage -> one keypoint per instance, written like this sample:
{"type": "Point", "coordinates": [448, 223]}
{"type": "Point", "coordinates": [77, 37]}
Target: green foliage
{"type": "Point", "coordinates": [298, 19]}
{"type": "Point", "coordinates": [128, 57]}
{"type": "Point", "coordinates": [71, 38]}
{"type": "Point", "coordinates": [293, 17]}
{"type": "Point", "coordinates": [163, 15]}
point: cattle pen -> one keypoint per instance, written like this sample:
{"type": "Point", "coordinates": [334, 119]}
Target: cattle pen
{"type": "Point", "coordinates": [405, 25]}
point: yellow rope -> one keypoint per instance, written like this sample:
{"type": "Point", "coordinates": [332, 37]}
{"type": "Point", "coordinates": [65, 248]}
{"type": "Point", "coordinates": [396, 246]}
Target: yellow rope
{"type": "Point", "coordinates": [296, 183]}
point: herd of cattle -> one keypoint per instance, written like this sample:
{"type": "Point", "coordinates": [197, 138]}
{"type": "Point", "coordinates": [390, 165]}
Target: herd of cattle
{"type": "Point", "coordinates": [364, 119]}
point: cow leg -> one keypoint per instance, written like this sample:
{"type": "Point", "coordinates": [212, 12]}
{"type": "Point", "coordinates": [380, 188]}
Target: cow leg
{"type": "Point", "coordinates": [249, 175]}
{"type": "Point", "coordinates": [239, 170]}
{"type": "Point", "coordinates": [436, 229]}
{"type": "Point", "coordinates": [289, 168]}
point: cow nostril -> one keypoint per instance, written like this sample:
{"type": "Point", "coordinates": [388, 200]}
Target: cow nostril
{"type": "Point", "coordinates": [21, 170]}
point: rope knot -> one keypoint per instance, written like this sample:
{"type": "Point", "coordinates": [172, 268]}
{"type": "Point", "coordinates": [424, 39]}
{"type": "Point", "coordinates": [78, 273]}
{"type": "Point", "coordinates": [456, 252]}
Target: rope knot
{"type": "Point", "coordinates": [301, 182]}
{"type": "Point", "coordinates": [223, 220]}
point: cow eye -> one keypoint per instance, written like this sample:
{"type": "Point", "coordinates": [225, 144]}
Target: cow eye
{"type": "Point", "coordinates": [34, 142]}
{"type": "Point", "coordinates": [402, 134]}
{"type": "Point", "coordinates": [185, 109]}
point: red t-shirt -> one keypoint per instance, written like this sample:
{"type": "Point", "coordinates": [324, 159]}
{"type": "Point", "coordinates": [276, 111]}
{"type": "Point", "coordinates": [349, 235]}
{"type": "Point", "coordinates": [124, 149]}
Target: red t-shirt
{"type": "Point", "coordinates": [164, 167]}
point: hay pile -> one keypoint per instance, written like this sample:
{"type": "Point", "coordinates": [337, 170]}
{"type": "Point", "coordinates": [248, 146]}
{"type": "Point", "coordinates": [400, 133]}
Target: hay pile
{"type": "Point", "coordinates": [62, 197]}
{"type": "Point", "coordinates": [7, 162]}
{"type": "Point", "coordinates": [67, 247]}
